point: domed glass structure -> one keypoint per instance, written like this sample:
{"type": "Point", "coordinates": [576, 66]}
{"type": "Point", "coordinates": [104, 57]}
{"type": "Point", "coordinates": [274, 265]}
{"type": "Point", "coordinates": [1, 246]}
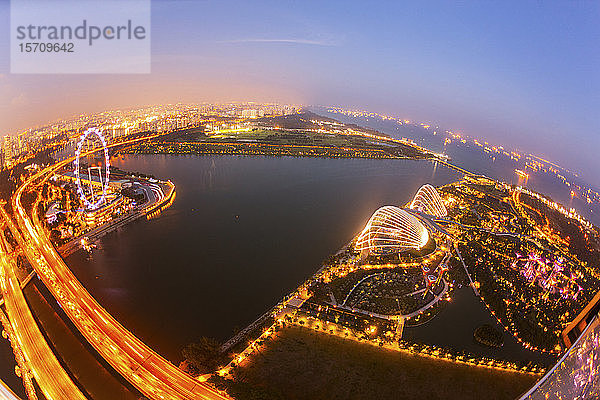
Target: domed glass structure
{"type": "Point", "coordinates": [390, 230]}
{"type": "Point", "coordinates": [428, 201]}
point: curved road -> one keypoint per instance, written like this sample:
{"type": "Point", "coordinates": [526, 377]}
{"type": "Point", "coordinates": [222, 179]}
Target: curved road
{"type": "Point", "coordinates": [54, 382]}
{"type": "Point", "coordinates": [6, 393]}
{"type": "Point", "coordinates": [150, 373]}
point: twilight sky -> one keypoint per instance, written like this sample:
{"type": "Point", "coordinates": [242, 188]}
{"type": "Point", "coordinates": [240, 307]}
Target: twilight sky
{"type": "Point", "coordinates": [522, 74]}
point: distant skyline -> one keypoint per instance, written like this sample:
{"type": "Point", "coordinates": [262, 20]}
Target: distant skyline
{"type": "Point", "coordinates": [520, 74]}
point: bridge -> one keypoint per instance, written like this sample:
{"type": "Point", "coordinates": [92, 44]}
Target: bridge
{"type": "Point", "coordinates": [6, 393]}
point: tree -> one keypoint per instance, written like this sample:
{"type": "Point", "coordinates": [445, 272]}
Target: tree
{"type": "Point", "coordinates": [203, 356]}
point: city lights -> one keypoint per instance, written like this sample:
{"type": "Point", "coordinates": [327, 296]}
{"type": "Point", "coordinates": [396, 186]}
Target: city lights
{"type": "Point", "coordinates": [550, 274]}
{"type": "Point", "coordinates": [392, 229]}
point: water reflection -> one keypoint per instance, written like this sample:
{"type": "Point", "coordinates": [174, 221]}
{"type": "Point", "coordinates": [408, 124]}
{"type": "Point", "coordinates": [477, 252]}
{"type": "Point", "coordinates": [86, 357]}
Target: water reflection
{"type": "Point", "coordinates": [242, 232]}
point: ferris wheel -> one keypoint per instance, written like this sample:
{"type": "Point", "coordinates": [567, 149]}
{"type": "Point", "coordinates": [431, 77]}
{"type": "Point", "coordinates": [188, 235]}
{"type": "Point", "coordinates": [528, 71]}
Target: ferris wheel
{"type": "Point", "coordinates": [96, 201]}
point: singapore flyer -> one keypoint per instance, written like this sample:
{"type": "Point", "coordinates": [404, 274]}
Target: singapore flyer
{"type": "Point", "coordinates": [94, 203]}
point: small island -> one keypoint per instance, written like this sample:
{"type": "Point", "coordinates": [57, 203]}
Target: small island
{"type": "Point", "coordinates": [488, 336]}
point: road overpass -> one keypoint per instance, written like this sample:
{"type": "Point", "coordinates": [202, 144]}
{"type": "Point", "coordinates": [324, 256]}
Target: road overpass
{"type": "Point", "coordinates": [54, 382]}
{"type": "Point", "coordinates": [146, 370]}
{"type": "Point", "coordinates": [6, 393]}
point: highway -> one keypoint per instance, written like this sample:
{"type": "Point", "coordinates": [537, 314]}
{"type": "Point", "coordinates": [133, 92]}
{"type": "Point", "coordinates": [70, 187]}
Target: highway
{"type": "Point", "coordinates": [146, 370]}
{"type": "Point", "coordinates": [6, 393]}
{"type": "Point", "coordinates": [52, 379]}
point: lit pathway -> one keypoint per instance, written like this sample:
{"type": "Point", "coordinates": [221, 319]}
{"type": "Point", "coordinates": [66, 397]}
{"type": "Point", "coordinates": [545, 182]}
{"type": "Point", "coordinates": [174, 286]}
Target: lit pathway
{"type": "Point", "coordinates": [466, 270]}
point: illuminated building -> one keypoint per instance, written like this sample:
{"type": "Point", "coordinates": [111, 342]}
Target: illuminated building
{"type": "Point", "coordinates": [428, 201]}
{"type": "Point", "coordinates": [105, 212]}
{"type": "Point", "coordinates": [390, 230]}
{"type": "Point", "coordinates": [252, 113]}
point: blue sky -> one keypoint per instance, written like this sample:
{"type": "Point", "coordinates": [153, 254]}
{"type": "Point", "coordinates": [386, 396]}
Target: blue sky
{"type": "Point", "coordinates": [523, 74]}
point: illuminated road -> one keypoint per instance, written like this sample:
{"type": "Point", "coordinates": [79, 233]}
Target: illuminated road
{"type": "Point", "coordinates": [556, 240]}
{"type": "Point", "coordinates": [54, 382]}
{"type": "Point", "coordinates": [150, 373]}
{"type": "Point", "coordinates": [6, 393]}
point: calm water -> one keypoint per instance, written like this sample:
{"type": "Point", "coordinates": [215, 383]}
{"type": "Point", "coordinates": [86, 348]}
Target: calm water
{"type": "Point", "coordinates": [453, 328]}
{"type": "Point", "coordinates": [242, 232]}
{"type": "Point", "coordinates": [474, 159]}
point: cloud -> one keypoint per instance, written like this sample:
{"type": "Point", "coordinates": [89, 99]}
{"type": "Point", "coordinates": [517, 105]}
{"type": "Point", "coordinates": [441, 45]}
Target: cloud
{"type": "Point", "coordinates": [284, 41]}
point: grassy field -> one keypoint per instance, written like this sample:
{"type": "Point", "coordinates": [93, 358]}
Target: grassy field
{"type": "Point", "coordinates": [303, 364]}
{"type": "Point", "coordinates": [278, 143]}
{"type": "Point", "coordinates": [287, 138]}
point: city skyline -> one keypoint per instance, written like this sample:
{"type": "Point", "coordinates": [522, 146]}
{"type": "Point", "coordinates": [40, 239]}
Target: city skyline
{"type": "Point", "coordinates": [524, 262]}
{"type": "Point", "coordinates": [307, 200]}
{"type": "Point", "coordinates": [520, 75]}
